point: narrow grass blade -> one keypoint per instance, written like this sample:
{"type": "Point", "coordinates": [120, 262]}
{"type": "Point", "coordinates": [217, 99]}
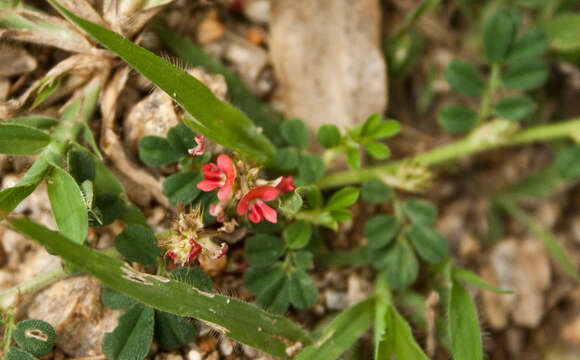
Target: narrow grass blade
{"type": "Point", "coordinates": [342, 332]}
{"type": "Point", "coordinates": [464, 325]}
{"type": "Point", "coordinates": [236, 319]}
{"type": "Point", "coordinates": [550, 241]}
{"type": "Point", "coordinates": [473, 279]}
{"type": "Point", "coordinates": [215, 119]}
{"type": "Point", "coordinates": [239, 94]}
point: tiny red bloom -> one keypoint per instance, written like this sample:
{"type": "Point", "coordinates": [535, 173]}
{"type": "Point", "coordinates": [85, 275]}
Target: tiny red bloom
{"type": "Point", "coordinates": [222, 178]}
{"type": "Point", "coordinates": [200, 148]}
{"type": "Point", "coordinates": [254, 201]}
{"type": "Point", "coordinates": [195, 250]}
{"type": "Point", "coordinates": [286, 185]}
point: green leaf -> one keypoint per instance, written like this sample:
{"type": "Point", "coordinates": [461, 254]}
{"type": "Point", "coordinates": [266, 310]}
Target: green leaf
{"type": "Point", "coordinates": [295, 133]}
{"type": "Point", "coordinates": [80, 165]}
{"type": "Point", "coordinates": [297, 234]}
{"type": "Point", "coordinates": [303, 260]}
{"type": "Point", "coordinates": [239, 94]}
{"type": "Point", "coordinates": [290, 204]}
{"type": "Point", "coordinates": [376, 149]}
{"type": "Point", "coordinates": [182, 187]}
{"type": "Point", "coordinates": [35, 121]}
{"type": "Point", "coordinates": [564, 33]}
{"type": "Point", "coordinates": [420, 211]}
{"type": "Point", "coordinates": [341, 215]}
{"type": "Point", "coordinates": [193, 276]}
{"type": "Point", "coordinates": [568, 163]}
{"type": "Point", "coordinates": [384, 129]}
{"type": "Point", "coordinates": [115, 300]}
{"type": "Point", "coordinates": [217, 120]}
{"type": "Point", "coordinates": [46, 89]}
{"type": "Point", "coordinates": [172, 331]}
{"type": "Point", "coordinates": [328, 136]}
{"type": "Point", "coordinates": [498, 33]}
{"type": "Point", "coordinates": [156, 151]}
{"type": "Point", "coordinates": [526, 75]}
{"type": "Point", "coordinates": [381, 230]}
{"type": "Point", "coordinates": [17, 354]}
{"type": "Point", "coordinates": [456, 119]}
{"type": "Point", "coordinates": [263, 249]}
{"type": "Point", "coordinates": [399, 264]}
{"type": "Point", "coordinates": [313, 195]}
{"type": "Point", "coordinates": [68, 207]}
{"type": "Point", "coordinates": [11, 197]}
{"type": "Point", "coordinates": [107, 208]}
{"type": "Point", "coordinates": [260, 279]}
{"type": "Point", "coordinates": [21, 140]}
{"type": "Point", "coordinates": [399, 341]}
{"type": "Point", "coordinates": [375, 191]}
{"type": "Point", "coordinates": [310, 168]}
{"type": "Point", "coordinates": [430, 244]}
{"type": "Point", "coordinates": [181, 139]}
{"type": "Point", "coordinates": [342, 332]}
{"type": "Point", "coordinates": [34, 336]}
{"type": "Point", "coordinates": [132, 337]}
{"type": "Point", "coordinates": [532, 44]}
{"type": "Point", "coordinates": [473, 279]}
{"type": "Point", "coordinates": [464, 325]}
{"type": "Point", "coordinates": [138, 243]}
{"type": "Point", "coordinates": [464, 78]}
{"type": "Point", "coordinates": [303, 292]}
{"type": "Point", "coordinates": [515, 108]}
{"type": "Point", "coordinates": [286, 159]}
{"type": "Point", "coordinates": [370, 123]}
{"type": "Point", "coordinates": [238, 320]}
{"type": "Point", "coordinates": [343, 198]}
{"type": "Point", "coordinates": [353, 158]}
{"type": "Point", "coordinates": [276, 298]}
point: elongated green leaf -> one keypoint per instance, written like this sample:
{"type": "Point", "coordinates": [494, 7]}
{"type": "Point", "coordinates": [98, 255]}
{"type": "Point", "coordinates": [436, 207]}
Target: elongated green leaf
{"type": "Point", "coordinates": [473, 279]}
{"type": "Point", "coordinates": [35, 121]}
{"type": "Point", "coordinates": [342, 332]}
{"type": "Point", "coordinates": [344, 197]}
{"type": "Point", "coordinates": [132, 338]}
{"type": "Point", "coordinates": [456, 118]}
{"type": "Point", "coordinates": [464, 78]}
{"type": "Point", "coordinates": [236, 319]}
{"type": "Point", "coordinates": [515, 108]}
{"type": "Point", "coordinates": [68, 206]}
{"type": "Point", "coordinates": [11, 197]}
{"type": "Point", "coordinates": [464, 325]}
{"type": "Point", "coordinates": [429, 244]}
{"type": "Point", "coordinates": [239, 94]}
{"type": "Point", "coordinates": [21, 140]}
{"type": "Point", "coordinates": [398, 338]}
{"type": "Point", "coordinates": [550, 241]}
{"type": "Point", "coordinates": [526, 75]}
{"type": "Point", "coordinates": [215, 119]}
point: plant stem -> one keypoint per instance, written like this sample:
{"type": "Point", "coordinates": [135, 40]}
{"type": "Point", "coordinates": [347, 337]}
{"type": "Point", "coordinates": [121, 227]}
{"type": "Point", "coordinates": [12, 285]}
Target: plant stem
{"type": "Point", "coordinates": [485, 105]}
{"type": "Point", "coordinates": [8, 329]}
{"type": "Point", "coordinates": [465, 146]}
{"type": "Point", "coordinates": [32, 285]}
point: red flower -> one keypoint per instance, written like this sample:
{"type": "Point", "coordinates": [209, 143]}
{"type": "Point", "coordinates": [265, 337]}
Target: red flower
{"type": "Point", "coordinates": [254, 201]}
{"type": "Point", "coordinates": [286, 185]}
{"type": "Point", "coordinates": [195, 250]}
{"type": "Point", "coordinates": [222, 178]}
{"type": "Point", "coordinates": [200, 148]}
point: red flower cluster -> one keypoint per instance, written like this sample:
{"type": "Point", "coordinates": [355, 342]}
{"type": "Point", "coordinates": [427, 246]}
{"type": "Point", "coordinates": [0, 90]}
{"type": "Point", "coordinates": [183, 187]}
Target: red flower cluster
{"type": "Point", "coordinates": [238, 183]}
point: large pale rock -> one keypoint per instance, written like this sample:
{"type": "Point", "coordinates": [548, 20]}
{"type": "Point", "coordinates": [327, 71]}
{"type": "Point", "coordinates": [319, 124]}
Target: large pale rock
{"type": "Point", "coordinates": [524, 268]}
{"type": "Point", "coordinates": [327, 59]}
{"type": "Point", "coordinates": [73, 307]}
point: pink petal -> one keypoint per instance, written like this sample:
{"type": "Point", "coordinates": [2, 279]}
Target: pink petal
{"type": "Point", "coordinates": [286, 185]}
{"type": "Point", "coordinates": [210, 171]}
{"type": "Point", "coordinates": [255, 215]}
{"type": "Point", "coordinates": [227, 167]}
{"type": "Point", "coordinates": [269, 214]}
{"type": "Point", "coordinates": [208, 185]}
{"type": "Point", "coordinates": [200, 148]}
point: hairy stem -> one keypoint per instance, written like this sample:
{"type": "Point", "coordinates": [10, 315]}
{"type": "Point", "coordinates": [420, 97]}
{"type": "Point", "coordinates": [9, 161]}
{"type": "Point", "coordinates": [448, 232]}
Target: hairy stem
{"type": "Point", "coordinates": [32, 285]}
{"type": "Point", "coordinates": [465, 146]}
